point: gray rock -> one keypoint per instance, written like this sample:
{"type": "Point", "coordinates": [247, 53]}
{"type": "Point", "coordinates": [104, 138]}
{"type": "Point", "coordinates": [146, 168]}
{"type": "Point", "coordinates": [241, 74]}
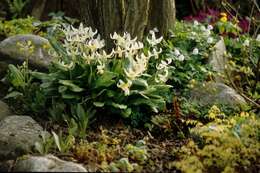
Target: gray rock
{"type": "Point", "coordinates": [217, 93]}
{"type": "Point", "coordinates": [218, 60]}
{"type": "Point", "coordinates": [6, 166]}
{"type": "Point", "coordinates": [47, 163]}
{"type": "Point", "coordinates": [11, 52]}
{"type": "Point", "coordinates": [18, 134]}
{"type": "Point", "coordinates": [4, 110]}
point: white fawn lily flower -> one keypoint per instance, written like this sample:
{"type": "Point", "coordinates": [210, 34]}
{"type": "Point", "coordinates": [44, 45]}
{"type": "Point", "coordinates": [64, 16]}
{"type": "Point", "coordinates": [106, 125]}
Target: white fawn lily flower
{"type": "Point", "coordinates": [95, 44]}
{"type": "Point", "coordinates": [162, 77]}
{"type": "Point", "coordinates": [119, 51]}
{"type": "Point", "coordinates": [137, 66]}
{"type": "Point", "coordinates": [153, 41]}
{"type": "Point", "coordinates": [155, 53]}
{"type": "Point", "coordinates": [66, 66]}
{"type": "Point", "coordinates": [164, 64]}
{"type": "Point", "coordinates": [100, 67]}
{"type": "Point", "coordinates": [125, 86]}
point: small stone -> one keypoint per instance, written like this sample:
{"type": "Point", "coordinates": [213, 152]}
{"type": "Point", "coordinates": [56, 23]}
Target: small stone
{"type": "Point", "coordinates": [18, 135]}
{"type": "Point", "coordinates": [48, 163]}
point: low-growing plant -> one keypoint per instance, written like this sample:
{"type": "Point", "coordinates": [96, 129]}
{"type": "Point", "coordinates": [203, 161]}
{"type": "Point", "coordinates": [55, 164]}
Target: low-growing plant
{"type": "Point", "coordinates": [226, 145]}
{"type": "Point", "coordinates": [23, 90]}
{"type": "Point", "coordinates": [189, 46]}
{"type": "Point", "coordinates": [243, 67]}
{"type": "Point", "coordinates": [30, 25]}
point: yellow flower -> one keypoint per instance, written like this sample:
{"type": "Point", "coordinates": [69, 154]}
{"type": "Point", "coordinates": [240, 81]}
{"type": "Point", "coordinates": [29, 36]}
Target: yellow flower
{"type": "Point", "coordinates": [223, 19]}
{"type": "Point", "coordinates": [223, 14]}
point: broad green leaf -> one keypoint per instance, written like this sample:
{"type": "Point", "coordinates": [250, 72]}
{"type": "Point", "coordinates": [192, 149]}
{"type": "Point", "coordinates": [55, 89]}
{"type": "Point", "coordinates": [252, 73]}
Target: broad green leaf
{"type": "Point", "coordinates": [69, 96]}
{"type": "Point", "coordinates": [140, 82]}
{"type": "Point", "coordinates": [105, 80]}
{"type": "Point", "coordinates": [73, 87]}
{"type": "Point", "coordinates": [13, 94]}
{"type": "Point", "coordinates": [16, 77]}
{"type": "Point", "coordinates": [42, 76]}
{"type": "Point", "coordinates": [127, 112]}
{"type": "Point", "coordinates": [117, 105]}
{"type": "Point", "coordinates": [98, 104]}
{"type": "Point", "coordinates": [62, 89]}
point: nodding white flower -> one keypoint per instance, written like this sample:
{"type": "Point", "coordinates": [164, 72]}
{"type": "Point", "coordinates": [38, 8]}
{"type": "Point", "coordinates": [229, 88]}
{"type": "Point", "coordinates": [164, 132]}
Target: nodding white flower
{"type": "Point", "coordinates": [210, 27]}
{"type": "Point", "coordinates": [153, 41]}
{"type": "Point", "coordinates": [155, 29]}
{"type": "Point", "coordinates": [78, 34]}
{"type": "Point", "coordinates": [210, 40]}
{"type": "Point", "coordinates": [100, 67]}
{"type": "Point", "coordinates": [203, 28]}
{"type": "Point", "coordinates": [119, 52]}
{"type": "Point", "coordinates": [207, 33]}
{"type": "Point", "coordinates": [180, 58]}
{"type": "Point", "coordinates": [164, 64]}
{"type": "Point", "coordinates": [136, 45]}
{"type": "Point", "coordinates": [176, 52]}
{"type": "Point", "coordinates": [169, 61]}
{"type": "Point", "coordinates": [104, 56]}
{"type": "Point", "coordinates": [162, 77]}
{"type": "Point", "coordinates": [95, 44]}
{"type": "Point", "coordinates": [195, 51]}
{"type": "Point", "coordinates": [246, 43]}
{"type": "Point", "coordinates": [155, 53]}
{"type": "Point", "coordinates": [125, 86]}
{"type": "Point", "coordinates": [124, 41]}
{"type": "Point", "coordinates": [66, 66]}
{"type": "Point", "coordinates": [195, 23]}
{"type": "Point", "coordinates": [258, 38]}
{"type": "Point", "coordinates": [137, 66]}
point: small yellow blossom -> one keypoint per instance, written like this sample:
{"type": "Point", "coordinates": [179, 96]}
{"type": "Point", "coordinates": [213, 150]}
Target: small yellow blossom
{"type": "Point", "coordinates": [244, 114]}
{"type": "Point", "coordinates": [223, 14]}
{"type": "Point", "coordinates": [223, 17]}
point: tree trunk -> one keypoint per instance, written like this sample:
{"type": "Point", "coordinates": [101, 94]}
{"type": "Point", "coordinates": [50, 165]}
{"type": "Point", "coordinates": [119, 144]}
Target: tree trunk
{"type": "Point", "coordinates": [108, 16]}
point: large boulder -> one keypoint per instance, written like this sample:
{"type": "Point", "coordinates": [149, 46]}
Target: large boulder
{"type": "Point", "coordinates": [218, 60]}
{"type": "Point", "coordinates": [18, 135]}
{"type": "Point", "coordinates": [11, 50]}
{"type": "Point", "coordinates": [47, 163]}
{"type": "Point", "coordinates": [4, 110]}
{"type": "Point", "coordinates": [211, 93]}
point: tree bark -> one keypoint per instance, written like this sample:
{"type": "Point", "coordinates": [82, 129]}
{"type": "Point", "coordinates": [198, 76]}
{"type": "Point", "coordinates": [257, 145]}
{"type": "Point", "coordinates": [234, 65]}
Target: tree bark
{"type": "Point", "coordinates": [108, 16]}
